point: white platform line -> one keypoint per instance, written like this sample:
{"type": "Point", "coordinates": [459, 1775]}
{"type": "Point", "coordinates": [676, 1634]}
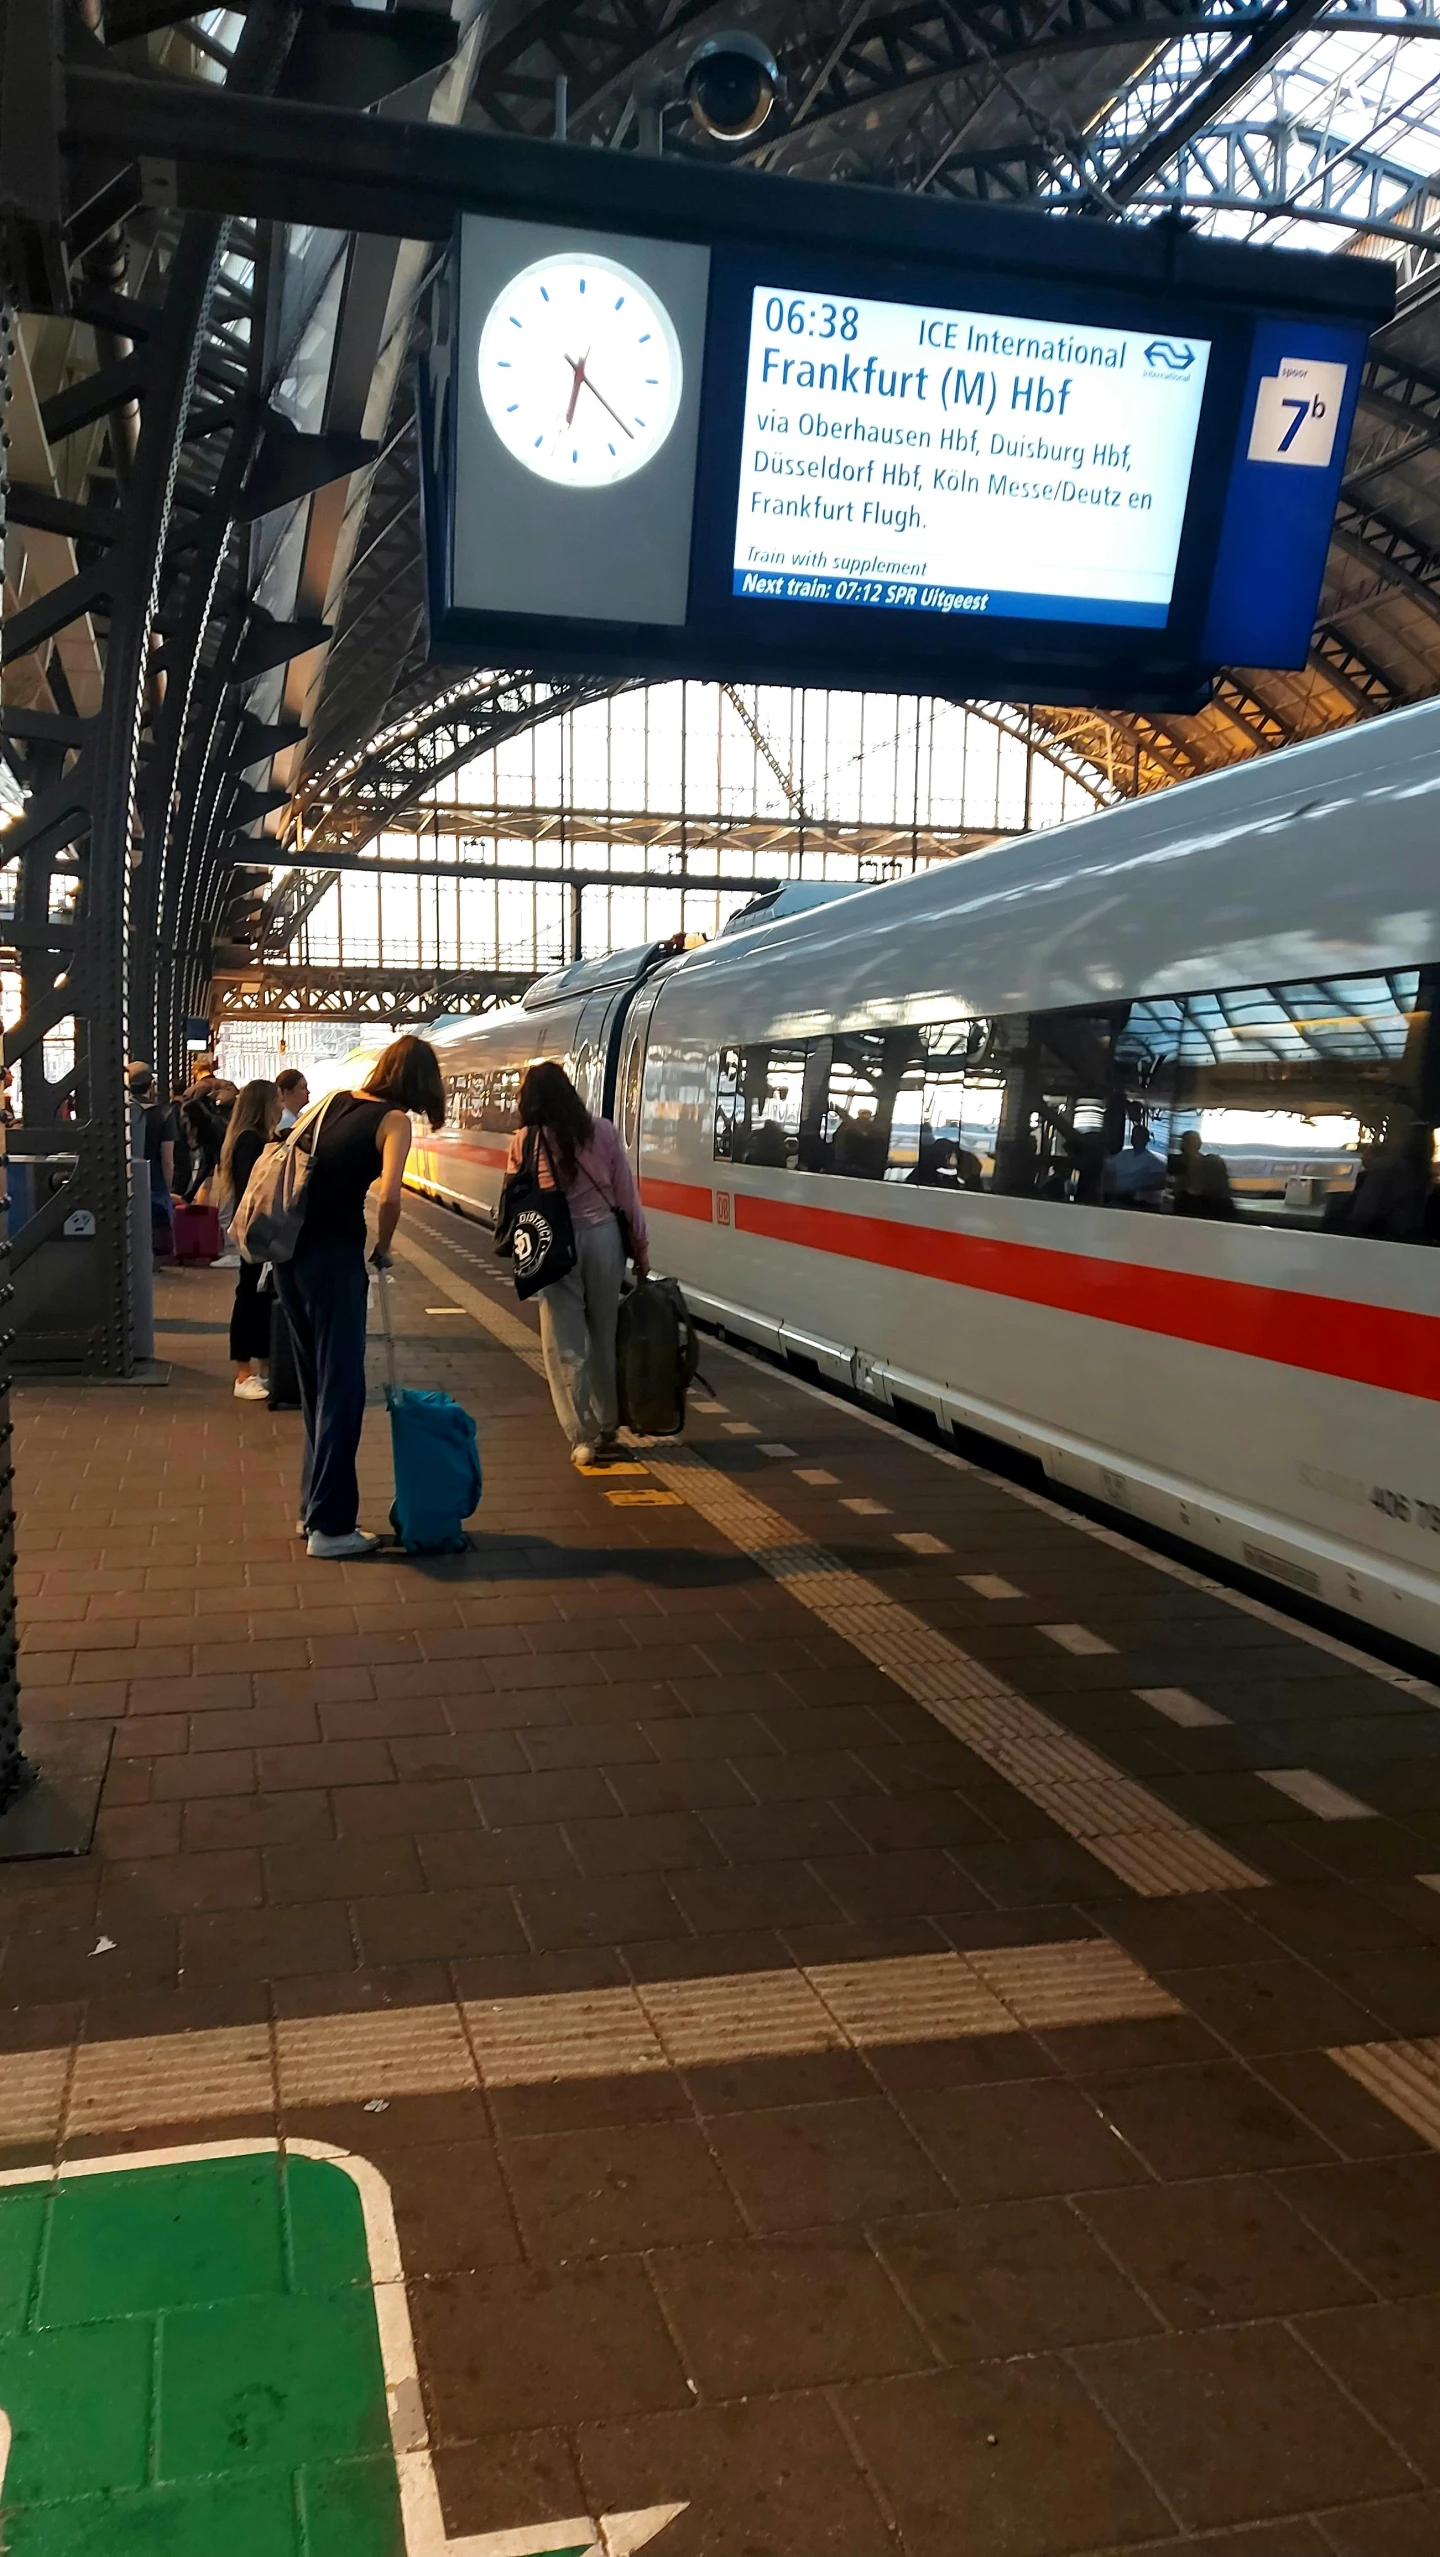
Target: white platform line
{"type": "Point", "coordinates": [1240, 1600]}
{"type": "Point", "coordinates": [1077, 1639]}
{"type": "Point", "coordinates": [1028, 1747]}
{"type": "Point", "coordinates": [1316, 1793]}
{"type": "Point", "coordinates": [1178, 1705]}
{"type": "Point", "coordinates": [1159, 1855]}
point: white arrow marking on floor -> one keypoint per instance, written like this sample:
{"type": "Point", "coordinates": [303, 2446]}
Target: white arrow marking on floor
{"type": "Point", "coordinates": [613, 2535]}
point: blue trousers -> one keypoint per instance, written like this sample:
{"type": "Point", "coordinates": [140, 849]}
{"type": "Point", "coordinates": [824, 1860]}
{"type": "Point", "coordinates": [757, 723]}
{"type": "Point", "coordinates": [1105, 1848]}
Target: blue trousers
{"type": "Point", "coordinates": [325, 1293]}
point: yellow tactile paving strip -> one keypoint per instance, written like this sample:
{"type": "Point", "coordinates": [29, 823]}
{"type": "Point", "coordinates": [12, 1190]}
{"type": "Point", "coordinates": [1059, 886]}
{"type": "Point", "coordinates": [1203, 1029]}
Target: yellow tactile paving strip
{"type": "Point", "coordinates": [1154, 1850]}
{"type": "Point", "coordinates": [1403, 2075]}
{"type": "Point", "coordinates": [440, 2050]}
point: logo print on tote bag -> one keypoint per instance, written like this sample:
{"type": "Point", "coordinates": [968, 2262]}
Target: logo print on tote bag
{"type": "Point", "coordinates": [533, 1237]}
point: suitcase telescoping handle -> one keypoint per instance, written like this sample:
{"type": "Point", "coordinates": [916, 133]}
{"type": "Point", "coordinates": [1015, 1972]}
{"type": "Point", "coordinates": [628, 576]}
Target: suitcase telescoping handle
{"type": "Point", "coordinates": [382, 1290]}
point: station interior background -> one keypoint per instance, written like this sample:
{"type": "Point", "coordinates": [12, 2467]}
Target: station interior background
{"type": "Point", "coordinates": [1311, 126]}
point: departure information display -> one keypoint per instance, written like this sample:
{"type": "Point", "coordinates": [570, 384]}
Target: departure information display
{"type": "Point", "coordinates": [934, 460]}
{"type": "Point", "coordinates": [678, 423]}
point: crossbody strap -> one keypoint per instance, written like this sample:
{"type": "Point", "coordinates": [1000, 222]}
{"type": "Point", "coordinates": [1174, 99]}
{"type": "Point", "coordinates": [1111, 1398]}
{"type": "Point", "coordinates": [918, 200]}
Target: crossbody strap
{"type": "Point", "coordinates": [308, 1124]}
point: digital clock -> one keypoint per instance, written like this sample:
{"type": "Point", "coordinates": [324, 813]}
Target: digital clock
{"type": "Point", "coordinates": [789, 315]}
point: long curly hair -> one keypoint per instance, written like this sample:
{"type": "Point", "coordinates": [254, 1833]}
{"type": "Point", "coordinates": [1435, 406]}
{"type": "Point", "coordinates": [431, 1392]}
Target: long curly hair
{"type": "Point", "coordinates": [550, 1102]}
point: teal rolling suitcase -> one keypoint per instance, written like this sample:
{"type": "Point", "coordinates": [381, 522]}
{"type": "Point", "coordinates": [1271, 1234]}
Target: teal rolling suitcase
{"type": "Point", "coordinates": [436, 1457]}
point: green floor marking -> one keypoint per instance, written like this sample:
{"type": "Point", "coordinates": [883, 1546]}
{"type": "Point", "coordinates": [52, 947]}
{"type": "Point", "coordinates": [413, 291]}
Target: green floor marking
{"type": "Point", "coordinates": [191, 2367]}
{"type": "Point", "coordinates": [207, 2353]}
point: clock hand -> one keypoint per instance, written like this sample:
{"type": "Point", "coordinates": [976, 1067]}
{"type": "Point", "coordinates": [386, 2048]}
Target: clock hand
{"type": "Point", "coordinates": [600, 396]}
{"type": "Point", "coordinates": [579, 372]}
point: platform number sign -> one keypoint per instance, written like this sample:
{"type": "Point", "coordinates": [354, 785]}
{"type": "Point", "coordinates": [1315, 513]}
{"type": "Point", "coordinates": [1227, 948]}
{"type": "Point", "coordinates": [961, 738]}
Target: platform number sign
{"type": "Point", "coordinates": [1297, 410]}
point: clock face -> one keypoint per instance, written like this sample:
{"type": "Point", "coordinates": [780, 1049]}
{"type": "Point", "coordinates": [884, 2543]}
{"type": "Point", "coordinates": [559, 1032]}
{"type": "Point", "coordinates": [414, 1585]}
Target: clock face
{"type": "Point", "coordinates": [580, 370]}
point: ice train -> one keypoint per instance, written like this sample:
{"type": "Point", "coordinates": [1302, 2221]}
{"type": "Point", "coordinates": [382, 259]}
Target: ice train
{"type": "Point", "coordinates": [1093, 1142]}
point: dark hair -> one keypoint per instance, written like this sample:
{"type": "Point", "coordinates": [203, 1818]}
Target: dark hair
{"type": "Point", "coordinates": [408, 1077]}
{"type": "Point", "coordinates": [287, 1081]}
{"type": "Point", "coordinates": [549, 1100]}
{"type": "Point", "coordinates": [249, 1113]}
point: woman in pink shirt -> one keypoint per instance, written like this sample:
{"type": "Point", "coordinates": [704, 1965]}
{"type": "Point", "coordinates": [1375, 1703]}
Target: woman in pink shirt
{"type": "Point", "coordinates": [578, 1313]}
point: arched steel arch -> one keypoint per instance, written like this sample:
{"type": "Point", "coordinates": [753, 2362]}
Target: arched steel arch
{"type": "Point", "coordinates": [344, 810]}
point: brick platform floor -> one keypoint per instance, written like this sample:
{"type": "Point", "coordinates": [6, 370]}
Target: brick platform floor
{"type": "Point", "coordinates": [746, 1910]}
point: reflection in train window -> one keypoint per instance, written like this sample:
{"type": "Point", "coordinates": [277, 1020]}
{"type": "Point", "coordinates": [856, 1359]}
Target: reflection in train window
{"type": "Point", "coordinates": [486, 1101]}
{"type": "Point", "coordinates": [758, 1104]}
{"type": "Point", "coordinates": [630, 1090]}
{"type": "Point", "coordinates": [1313, 1103]}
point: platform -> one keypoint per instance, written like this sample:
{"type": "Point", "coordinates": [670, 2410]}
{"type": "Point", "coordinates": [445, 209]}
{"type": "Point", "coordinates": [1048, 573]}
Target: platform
{"type": "Point", "coordinates": [796, 2001]}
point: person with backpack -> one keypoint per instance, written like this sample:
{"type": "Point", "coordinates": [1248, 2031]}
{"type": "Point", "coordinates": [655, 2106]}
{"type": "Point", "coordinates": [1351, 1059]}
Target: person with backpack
{"type": "Point", "coordinates": [568, 1150]}
{"type": "Point", "coordinates": [355, 1139]}
{"type": "Point", "coordinates": [253, 1122]}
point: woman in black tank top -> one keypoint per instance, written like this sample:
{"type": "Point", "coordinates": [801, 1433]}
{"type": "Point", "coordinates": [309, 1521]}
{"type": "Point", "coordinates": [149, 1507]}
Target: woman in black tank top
{"type": "Point", "coordinates": [357, 1138]}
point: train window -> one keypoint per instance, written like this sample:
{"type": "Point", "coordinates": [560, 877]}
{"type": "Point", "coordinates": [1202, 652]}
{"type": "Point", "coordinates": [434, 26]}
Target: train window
{"type": "Point", "coordinates": [727, 1103]}
{"type": "Point", "coordinates": [1058, 1100]}
{"type": "Point", "coordinates": [630, 1090]}
{"type": "Point", "coordinates": [868, 1071]}
{"type": "Point", "coordinates": [499, 1111]}
{"type": "Point", "coordinates": [464, 1100]}
{"type": "Point", "coordinates": [1313, 1103]}
{"type": "Point", "coordinates": [758, 1103]}
{"type": "Point", "coordinates": [928, 1119]}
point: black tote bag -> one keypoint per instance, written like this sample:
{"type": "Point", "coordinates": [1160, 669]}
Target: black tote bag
{"type": "Point", "coordinates": [534, 1225]}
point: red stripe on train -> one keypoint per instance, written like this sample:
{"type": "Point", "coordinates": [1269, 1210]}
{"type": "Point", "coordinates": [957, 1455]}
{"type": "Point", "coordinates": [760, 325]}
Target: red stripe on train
{"type": "Point", "coordinates": [679, 1198]}
{"type": "Point", "coordinates": [1329, 1336]}
{"type": "Point", "coordinates": [498, 1156]}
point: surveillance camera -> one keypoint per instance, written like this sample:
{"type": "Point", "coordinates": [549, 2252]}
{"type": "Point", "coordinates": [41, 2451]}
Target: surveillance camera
{"type": "Point", "coordinates": [732, 85]}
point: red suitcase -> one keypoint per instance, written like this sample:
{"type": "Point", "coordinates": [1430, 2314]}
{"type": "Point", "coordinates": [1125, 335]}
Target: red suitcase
{"type": "Point", "coordinates": [197, 1234]}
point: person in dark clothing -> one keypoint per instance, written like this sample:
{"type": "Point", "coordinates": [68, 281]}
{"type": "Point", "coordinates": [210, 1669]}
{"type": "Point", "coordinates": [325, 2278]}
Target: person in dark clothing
{"type": "Point", "coordinates": [1391, 1197]}
{"type": "Point", "coordinates": [158, 1126]}
{"type": "Point", "coordinates": [253, 1122]}
{"type": "Point", "coordinates": [205, 1133]}
{"type": "Point", "coordinates": [359, 1138]}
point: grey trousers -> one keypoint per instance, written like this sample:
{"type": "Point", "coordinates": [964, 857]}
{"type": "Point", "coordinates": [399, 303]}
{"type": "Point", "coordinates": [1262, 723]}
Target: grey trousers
{"type": "Point", "coordinates": [577, 1334]}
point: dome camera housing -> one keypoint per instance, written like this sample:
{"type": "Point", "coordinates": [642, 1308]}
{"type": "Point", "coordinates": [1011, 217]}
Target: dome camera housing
{"type": "Point", "coordinates": [732, 85]}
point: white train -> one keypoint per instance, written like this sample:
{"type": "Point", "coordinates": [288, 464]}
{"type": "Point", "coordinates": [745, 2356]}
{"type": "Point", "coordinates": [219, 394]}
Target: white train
{"type": "Point", "coordinates": [1091, 1142]}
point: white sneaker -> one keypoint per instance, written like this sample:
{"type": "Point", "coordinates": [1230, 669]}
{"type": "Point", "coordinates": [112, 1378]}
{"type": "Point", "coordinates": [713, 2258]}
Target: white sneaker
{"type": "Point", "coordinates": [582, 1456]}
{"type": "Point", "coordinates": [227, 1261]}
{"type": "Point", "coordinates": [339, 1549]}
{"type": "Point", "coordinates": [251, 1389]}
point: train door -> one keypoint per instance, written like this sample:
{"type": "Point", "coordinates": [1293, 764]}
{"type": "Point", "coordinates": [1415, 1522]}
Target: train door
{"type": "Point", "coordinates": [630, 1072]}
{"type": "Point", "coordinates": [589, 1053]}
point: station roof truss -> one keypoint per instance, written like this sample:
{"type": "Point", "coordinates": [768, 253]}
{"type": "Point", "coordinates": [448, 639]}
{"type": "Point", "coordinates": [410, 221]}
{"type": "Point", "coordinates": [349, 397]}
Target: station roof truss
{"type": "Point", "coordinates": [289, 716]}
